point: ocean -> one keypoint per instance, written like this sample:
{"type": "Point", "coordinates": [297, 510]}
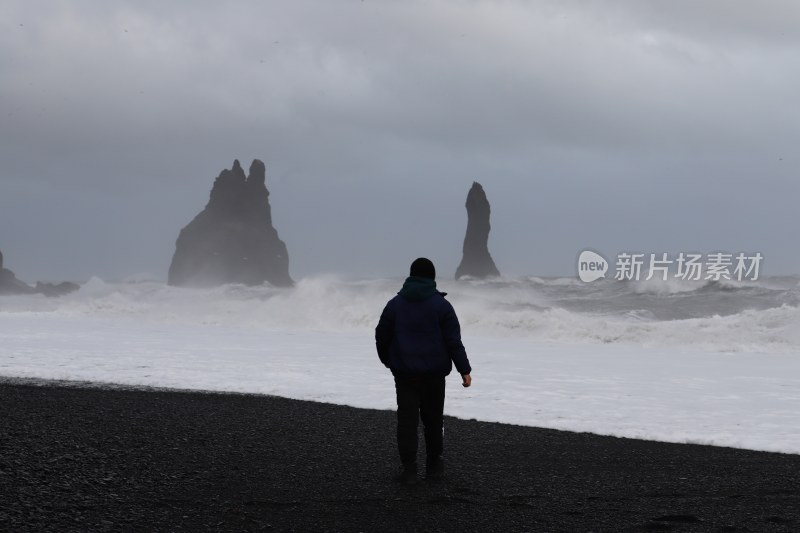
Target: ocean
{"type": "Point", "coordinates": [758, 315]}
{"type": "Point", "coordinates": [706, 362]}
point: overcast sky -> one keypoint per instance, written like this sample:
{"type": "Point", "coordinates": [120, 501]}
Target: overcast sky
{"type": "Point", "coordinates": [626, 125]}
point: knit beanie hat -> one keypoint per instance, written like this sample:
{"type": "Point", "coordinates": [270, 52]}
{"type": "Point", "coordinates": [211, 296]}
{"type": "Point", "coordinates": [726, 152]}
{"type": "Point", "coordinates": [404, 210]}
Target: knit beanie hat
{"type": "Point", "coordinates": [423, 268]}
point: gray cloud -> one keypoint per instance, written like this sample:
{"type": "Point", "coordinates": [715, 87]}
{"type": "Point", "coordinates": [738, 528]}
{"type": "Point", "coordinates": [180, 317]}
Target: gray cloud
{"type": "Point", "coordinates": [657, 126]}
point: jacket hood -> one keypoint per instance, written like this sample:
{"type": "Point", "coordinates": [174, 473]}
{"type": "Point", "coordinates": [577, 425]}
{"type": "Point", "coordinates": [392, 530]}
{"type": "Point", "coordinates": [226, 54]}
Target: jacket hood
{"type": "Point", "coordinates": [416, 289]}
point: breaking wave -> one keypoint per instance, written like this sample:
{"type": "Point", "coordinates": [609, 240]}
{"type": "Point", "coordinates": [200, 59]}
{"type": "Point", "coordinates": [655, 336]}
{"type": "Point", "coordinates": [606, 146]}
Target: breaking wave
{"type": "Point", "coordinates": [758, 316]}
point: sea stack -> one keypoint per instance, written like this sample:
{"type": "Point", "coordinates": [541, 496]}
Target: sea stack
{"type": "Point", "coordinates": [232, 240]}
{"type": "Point", "coordinates": [9, 284]}
{"type": "Point", "coordinates": [476, 261]}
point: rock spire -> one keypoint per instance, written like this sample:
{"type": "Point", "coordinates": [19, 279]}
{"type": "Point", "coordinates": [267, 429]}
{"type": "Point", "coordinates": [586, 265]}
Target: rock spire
{"type": "Point", "coordinates": [476, 261]}
{"type": "Point", "coordinates": [232, 240]}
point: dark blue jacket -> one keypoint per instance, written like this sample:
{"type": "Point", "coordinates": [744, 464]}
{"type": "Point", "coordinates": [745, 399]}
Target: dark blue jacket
{"type": "Point", "coordinates": [418, 332]}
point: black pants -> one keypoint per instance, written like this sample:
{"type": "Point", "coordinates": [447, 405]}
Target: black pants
{"type": "Point", "coordinates": [421, 396]}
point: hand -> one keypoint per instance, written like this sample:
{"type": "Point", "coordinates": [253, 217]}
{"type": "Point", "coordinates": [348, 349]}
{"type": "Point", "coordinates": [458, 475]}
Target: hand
{"type": "Point", "coordinates": [467, 380]}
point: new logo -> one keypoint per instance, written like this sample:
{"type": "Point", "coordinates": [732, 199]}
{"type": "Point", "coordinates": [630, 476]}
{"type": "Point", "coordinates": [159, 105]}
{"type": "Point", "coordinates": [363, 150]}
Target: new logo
{"type": "Point", "coordinates": [591, 266]}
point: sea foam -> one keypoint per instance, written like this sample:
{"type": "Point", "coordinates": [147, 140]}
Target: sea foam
{"type": "Point", "coordinates": [759, 316]}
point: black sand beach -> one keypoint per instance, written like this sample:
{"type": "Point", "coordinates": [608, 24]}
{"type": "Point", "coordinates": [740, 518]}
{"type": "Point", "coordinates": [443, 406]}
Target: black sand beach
{"type": "Point", "coordinates": [89, 459]}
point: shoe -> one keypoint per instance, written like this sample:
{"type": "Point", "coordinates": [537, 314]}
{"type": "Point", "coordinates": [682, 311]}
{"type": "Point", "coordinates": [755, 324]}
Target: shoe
{"type": "Point", "coordinates": [407, 474]}
{"type": "Point", "coordinates": [434, 469]}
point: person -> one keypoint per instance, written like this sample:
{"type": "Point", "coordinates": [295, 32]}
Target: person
{"type": "Point", "coordinates": [418, 338]}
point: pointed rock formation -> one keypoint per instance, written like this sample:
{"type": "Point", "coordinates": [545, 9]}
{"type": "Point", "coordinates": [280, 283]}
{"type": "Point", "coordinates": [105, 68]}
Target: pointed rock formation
{"type": "Point", "coordinates": [9, 284]}
{"type": "Point", "coordinates": [476, 261]}
{"type": "Point", "coordinates": [232, 240]}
